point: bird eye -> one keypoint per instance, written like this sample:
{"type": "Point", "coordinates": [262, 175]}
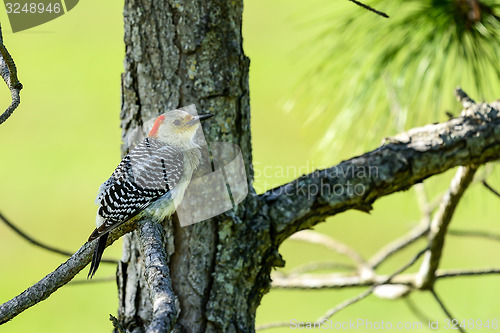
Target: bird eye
{"type": "Point", "coordinates": [177, 122]}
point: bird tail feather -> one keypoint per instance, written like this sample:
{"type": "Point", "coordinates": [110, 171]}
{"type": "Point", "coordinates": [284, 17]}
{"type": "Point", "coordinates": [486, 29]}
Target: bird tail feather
{"type": "Point", "coordinates": [96, 258]}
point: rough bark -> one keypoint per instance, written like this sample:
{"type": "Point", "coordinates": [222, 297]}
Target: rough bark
{"type": "Point", "coordinates": [402, 161]}
{"type": "Point", "coordinates": [180, 53]}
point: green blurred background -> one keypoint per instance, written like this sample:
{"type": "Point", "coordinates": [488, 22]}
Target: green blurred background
{"type": "Point", "coordinates": [64, 141]}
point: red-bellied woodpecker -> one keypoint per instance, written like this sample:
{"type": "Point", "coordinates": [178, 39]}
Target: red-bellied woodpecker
{"type": "Point", "coordinates": [150, 181]}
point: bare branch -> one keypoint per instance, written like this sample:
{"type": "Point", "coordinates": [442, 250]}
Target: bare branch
{"type": "Point", "coordinates": [92, 281]}
{"type": "Point", "coordinates": [305, 282]}
{"type": "Point", "coordinates": [415, 310]}
{"type": "Point", "coordinates": [315, 266]}
{"type": "Point", "coordinates": [272, 325]}
{"type": "Point", "coordinates": [440, 274]}
{"type": "Point", "coordinates": [440, 222]}
{"type": "Point", "coordinates": [463, 98]}
{"type": "Point", "coordinates": [423, 201]}
{"type": "Point", "coordinates": [398, 244]}
{"type": "Point", "coordinates": [445, 310]}
{"type": "Point", "coordinates": [351, 301]}
{"type": "Point", "coordinates": [116, 324]}
{"type": "Point", "coordinates": [492, 190]}
{"type": "Point", "coordinates": [335, 281]}
{"type": "Point", "coordinates": [58, 278]}
{"type": "Point", "coordinates": [158, 277]}
{"type": "Point", "coordinates": [475, 233]}
{"type": "Point", "coordinates": [338, 281]}
{"type": "Point", "coordinates": [416, 233]}
{"type": "Point", "coordinates": [8, 72]}
{"type": "Point", "coordinates": [40, 244]}
{"type": "Point", "coordinates": [334, 245]}
{"type": "Point", "coordinates": [371, 9]}
{"type": "Point", "coordinates": [370, 290]}
{"type": "Point", "coordinates": [401, 162]}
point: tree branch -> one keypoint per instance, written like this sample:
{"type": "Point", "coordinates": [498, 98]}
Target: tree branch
{"type": "Point", "coordinates": [345, 304]}
{"type": "Point", "coordinates": [492, 190]}
{"type": "Point", "coordinates": [42, 245]}
{"type": "Point", "coordinates": [58, 278]}
{"type": "Point", "coordinates": [475, 233]}
{"type": "Point", "coordinates": [371, 9]}
{"type": "Point", "coordinates": [314, 237]}
{"type": "Point", "coordinates": [370, 290]}
{"type": "Point", "coordinates": [339, 281]}
{"type": "Point", "coordinates": [440, 222]}
{"type": "Point", "coordinates": [158, 277]}
{"type": "Point", "coordinates": [402, 161]}
{"type": "Point", "coordinates": [398, 244]}
{"type": "Point", "coordinates": [444, 308]}
{"type": "Point", "coordinates": [8, 72]}
{"type": "Point", "coordinates": [318, 265]}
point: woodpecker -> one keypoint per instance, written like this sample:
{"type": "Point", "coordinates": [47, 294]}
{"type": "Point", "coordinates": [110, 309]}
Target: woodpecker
{"type": "Point", "coordinates": [150, 181]}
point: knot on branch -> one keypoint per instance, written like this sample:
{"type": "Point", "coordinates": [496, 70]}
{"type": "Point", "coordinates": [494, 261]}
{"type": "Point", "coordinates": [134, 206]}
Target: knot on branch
{"type": "Point", "coordinates": [479, 111]}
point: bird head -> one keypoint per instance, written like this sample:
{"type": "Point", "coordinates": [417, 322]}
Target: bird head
{"type": "Point", "coordinates": [177, 127]}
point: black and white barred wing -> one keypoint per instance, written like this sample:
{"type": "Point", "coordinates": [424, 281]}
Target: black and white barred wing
{"type": "Point", "coordinates": [148, 172]}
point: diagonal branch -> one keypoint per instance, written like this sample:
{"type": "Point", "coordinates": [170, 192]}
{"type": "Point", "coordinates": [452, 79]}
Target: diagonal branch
{"type": "Point", "coordinates": [475, 233]}
{"type": "Point", "coordinates": [371, 9]}
{"type": "Point", "coordinates": [445, 309]}
{"type": "Point", "coordinates": [440, 223]}
{"type": "Point", "coordinates": [158, 277]}
{"type": "Point", "coordinates": [370, 290]}
{"type": "Point", "coordinates": [58, 278]}
{"type": "Point", "coordinates": [339, 281]}
{"type": "Point", "coordinates": [40, 244]}
{"type": "Point", "coordinates": [314, 237]}
{"type": "Point", "coordinates": [319, 265]}
{"type": "Point", "coordinates": [401, 162]}
{"type": "Point", "coordinates": [8, 71]}
{"type": "Point", "coordinates": [398, 244]}
{"type": "Point", "coordinates": [357, 298]}
{"type": "Point", "coordinates": [441, 220]}
{"type": "Point", "coordinates": [492, 190]}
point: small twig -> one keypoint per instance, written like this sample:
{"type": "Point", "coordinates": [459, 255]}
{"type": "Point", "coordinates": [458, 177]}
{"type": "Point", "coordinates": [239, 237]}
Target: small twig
{"type": "Point", "coordinates": [88, 281]}
{"type": "Point", "coordinates": [441, 274]}
{"type": "Point", "coordinates": [463, 98]}
{"type": "Point", "coordinates": [40, 244]}
{"type": "Point", "coordinates": [8, 72]}
{"type": "Point", "coordinates": [352, 300]}
{"type": "Point", "coordinates": [398, 244]}
{"type": "Point", "coordinates": [475, 233]}
{"type": "Point", "coordinates": [370, 8]}
{"type": "Point", "coordinates": [495, 192]}
{"type": "Point", "coordinates": [314, 237]}
{"type": "Point", "coordinates": [56, 279]}
{"type": "Point", "coordinates": [370, 290]}
{"type": "Point", "coordinates": [423, 200]}
{"type": "Point", "coordinates": [13, 80]}
{"type": "Point", "coordinates": [440, 223]}
{"type": "Point", "coordinates": [415, 310]}
{"type": "Point", "coordinates": [322, 281]}
{"type": "Point", "coordinates": [272, 325]}
{"type": "Point", "coordinates": [315, 266]}
{"type": "Point", "coordinates": [158, 278]}
{"type": "Point", "coordinates": [116, 324]}
{"type": "Point", "coordinates": [415, 234]}
{"type": "Point", "coordinates": [338, 281]}
{"type": "Point", "coordinates": [445, 310]}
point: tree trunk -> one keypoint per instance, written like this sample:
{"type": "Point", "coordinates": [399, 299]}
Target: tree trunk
{"type": "Point", "coordinates": [180, 53]}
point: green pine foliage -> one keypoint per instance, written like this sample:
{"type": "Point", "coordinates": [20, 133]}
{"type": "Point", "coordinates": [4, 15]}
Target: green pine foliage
{"type": "Point", "coordinates": [371, 77]}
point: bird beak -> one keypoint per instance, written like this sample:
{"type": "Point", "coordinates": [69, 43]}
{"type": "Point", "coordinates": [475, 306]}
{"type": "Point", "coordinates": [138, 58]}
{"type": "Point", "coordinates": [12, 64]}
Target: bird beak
{"type": "Point", "coordinates": [197, 119]}
{"type": "Point", "coordinates": [205, 117]}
